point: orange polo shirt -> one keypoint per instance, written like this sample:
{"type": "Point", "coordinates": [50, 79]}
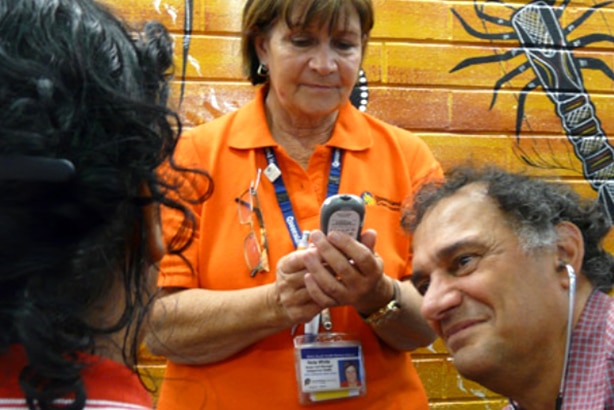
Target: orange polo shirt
{"type": "Point", "coordinates": [381, 163]}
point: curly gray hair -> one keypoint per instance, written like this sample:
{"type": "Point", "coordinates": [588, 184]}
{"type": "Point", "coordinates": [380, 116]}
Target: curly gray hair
{"type": "Point", "coordinates": [533, 207]}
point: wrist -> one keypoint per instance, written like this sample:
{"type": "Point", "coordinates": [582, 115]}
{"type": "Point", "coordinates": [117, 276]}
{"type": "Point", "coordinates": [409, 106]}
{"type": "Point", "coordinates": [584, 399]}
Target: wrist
{"type": "Point", "coordinates": [387, 311]}
{"type": "Point", "coordinates": [279, 315]}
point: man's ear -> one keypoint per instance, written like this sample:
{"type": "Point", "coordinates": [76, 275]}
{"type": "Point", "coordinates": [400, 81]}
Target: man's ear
{"type": "Point", "coordinates": [570, 247]}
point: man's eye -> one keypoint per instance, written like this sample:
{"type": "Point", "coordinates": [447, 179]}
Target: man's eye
{"type": "Point", "coordinates": [464, 260]}
{"type": "Point", "coordinates": [465, 264]}
{"type": "Point", "coordinates": [422, 285]}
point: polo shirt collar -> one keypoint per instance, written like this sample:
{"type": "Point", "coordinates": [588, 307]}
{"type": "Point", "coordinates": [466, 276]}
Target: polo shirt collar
{"type": "Point", "coordinates": [249, 130]}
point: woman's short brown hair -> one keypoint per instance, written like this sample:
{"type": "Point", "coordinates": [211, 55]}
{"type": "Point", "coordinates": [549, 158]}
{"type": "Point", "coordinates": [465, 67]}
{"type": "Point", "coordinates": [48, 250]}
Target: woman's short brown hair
{"type": "Point", "coordinates": [260, 15]}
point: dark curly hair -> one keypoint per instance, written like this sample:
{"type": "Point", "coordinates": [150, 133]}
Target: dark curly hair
{"type": "Point", "coordinates": [84, 95]}
{"type": "Point", "coordinates": [533, 207]}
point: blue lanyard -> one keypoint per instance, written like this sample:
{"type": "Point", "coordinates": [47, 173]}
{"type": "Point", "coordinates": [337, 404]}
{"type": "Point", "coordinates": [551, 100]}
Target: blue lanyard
{"type": "Point", "coordinates": [283, 199]}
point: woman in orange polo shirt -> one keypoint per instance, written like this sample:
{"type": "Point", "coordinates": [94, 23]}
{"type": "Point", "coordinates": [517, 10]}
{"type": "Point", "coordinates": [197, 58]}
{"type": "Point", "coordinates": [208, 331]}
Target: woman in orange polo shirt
{"type": "Point", "coordinates": [227, 321]}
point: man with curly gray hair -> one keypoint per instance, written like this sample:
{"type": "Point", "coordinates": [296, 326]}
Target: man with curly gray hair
{"type": "Point", "coordinates": [515, 282]}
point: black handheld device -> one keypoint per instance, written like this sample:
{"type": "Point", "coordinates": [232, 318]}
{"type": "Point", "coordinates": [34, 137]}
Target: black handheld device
{"type": "Point", "coordinates": [343, 212]}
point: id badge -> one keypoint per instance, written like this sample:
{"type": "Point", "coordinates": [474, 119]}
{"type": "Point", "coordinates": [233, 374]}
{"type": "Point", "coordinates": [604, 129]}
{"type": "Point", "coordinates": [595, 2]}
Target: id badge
{"type": "Point", "coordinates": [329, 366]}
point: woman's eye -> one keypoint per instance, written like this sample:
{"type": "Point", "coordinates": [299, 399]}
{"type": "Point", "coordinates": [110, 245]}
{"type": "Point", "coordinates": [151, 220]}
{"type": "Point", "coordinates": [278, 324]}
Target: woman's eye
{"type": "Point", "coordinates": [344, 45]}
{"type": "Point", "coordinates": [301, 41]}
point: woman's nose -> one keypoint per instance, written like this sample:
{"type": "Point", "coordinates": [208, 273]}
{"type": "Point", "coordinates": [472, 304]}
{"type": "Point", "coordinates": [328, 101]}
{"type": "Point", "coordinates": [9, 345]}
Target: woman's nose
{"type": "Point", "coordinates": [324, 60]}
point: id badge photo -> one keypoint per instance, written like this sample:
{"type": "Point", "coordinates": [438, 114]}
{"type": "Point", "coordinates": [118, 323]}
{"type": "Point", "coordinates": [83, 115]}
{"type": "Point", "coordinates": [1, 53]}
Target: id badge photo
{"type": "Point", "coordinates": [329, 366]}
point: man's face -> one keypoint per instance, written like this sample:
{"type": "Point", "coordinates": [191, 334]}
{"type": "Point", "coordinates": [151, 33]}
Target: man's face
{"type": "Point", "coordinates": [498, 309]}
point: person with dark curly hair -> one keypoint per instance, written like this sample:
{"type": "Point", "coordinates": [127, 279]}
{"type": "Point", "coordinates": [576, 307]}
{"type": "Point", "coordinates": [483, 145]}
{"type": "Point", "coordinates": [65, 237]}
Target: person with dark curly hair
{"type": "Point", "coordinates": [515, 281]}
{"type": "Point", "coordinates": [84, 129]}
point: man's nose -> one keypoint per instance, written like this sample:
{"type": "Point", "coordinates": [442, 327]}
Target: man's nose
{"type": "Point", "coordinates": [441, 297]}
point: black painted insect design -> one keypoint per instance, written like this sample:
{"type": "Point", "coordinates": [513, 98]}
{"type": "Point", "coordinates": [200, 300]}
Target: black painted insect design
{"type": "Point", "coordinates": [549, 54]}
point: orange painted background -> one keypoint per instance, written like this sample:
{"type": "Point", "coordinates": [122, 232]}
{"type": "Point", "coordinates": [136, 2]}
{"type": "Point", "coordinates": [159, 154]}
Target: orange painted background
{"type": "Point", "coordinates": [413, 47]}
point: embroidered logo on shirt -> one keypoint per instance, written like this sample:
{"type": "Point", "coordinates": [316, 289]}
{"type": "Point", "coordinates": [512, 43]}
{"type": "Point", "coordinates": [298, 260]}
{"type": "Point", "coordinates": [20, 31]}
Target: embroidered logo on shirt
{"type": "Point", "coordinates": [375, 200]}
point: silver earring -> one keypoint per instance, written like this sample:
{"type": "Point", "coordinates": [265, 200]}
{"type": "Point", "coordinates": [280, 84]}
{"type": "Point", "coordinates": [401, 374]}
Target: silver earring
{"type": "Point", "coordinates": [263, 70]}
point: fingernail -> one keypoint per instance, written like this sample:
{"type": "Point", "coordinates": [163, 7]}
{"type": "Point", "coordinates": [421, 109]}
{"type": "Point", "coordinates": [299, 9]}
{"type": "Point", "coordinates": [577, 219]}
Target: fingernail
{"type": "Point", "coordinates": [334, 236]}
{"type": "Point", "coordinates": [317, 236]}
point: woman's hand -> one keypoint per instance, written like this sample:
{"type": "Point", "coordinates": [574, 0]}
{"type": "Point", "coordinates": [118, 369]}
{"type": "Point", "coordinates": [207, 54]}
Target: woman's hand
{"type": "Point", "coordinates": [342, 271]}
{"type": "Point", "coordinates": [292, 294]}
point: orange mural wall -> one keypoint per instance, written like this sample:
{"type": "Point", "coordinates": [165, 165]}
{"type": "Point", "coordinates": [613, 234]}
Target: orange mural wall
{"type": "Point", "coordinates": [414, 46]}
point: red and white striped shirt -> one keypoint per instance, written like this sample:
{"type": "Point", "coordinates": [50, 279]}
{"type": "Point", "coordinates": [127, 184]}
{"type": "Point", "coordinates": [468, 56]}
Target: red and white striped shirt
{"type": "Point", "coordinates": [589, 384]}
{"type": "Point", "coordinates": [109, 385]}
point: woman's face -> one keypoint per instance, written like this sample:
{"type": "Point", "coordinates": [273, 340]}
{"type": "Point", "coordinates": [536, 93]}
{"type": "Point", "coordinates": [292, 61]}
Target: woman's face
{"type": "Point", "coordinates": [351, 375]}
{"type": "Point", "coordinates": [312, 71]}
